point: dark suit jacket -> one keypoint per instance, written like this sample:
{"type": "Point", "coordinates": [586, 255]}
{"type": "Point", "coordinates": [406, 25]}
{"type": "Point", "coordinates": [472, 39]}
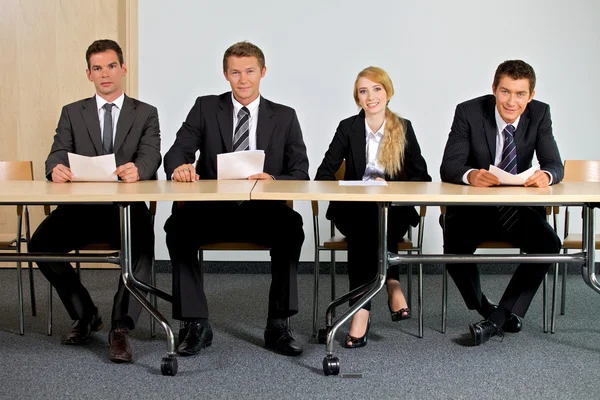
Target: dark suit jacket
{"type": "Point", "coordinates": [137, 138]}
{"type": "Point", "coordinates": [472, 140]}
{"type": "Point", "coordinates": [349, 143]}
{"type": "Point", "coordinates": [209, 128]}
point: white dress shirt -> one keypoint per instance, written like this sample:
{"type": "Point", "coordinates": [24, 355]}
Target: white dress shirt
{"type": "Point", "coordinates": [116, 111]}
{"type": "Point", "coordinates": [253, 122]}
{"type": "Point", "coordinates": [373, 170]}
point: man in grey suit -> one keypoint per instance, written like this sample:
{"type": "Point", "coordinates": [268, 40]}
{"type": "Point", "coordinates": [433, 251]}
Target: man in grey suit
{"type": "Point", "coordinates": [236, 121]}
{"type": "Point", "coordinates": [503, 129]}
{"type": "Point", "coordinates": [108, 123]}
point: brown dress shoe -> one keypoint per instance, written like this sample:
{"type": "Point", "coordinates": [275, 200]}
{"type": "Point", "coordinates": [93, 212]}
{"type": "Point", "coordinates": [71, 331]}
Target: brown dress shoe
{"type": "Point", "coordinates": [120, 349]}
{"type": "Point", "coordinates": [80, 333]}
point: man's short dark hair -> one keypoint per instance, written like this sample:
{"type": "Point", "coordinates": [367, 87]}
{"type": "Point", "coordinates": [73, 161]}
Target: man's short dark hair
{"type": "Point", "coordinates": [244, 49]}
{"type": "Point", "coordinates": [102, 45]}
{"type": "Point", "coordinates": [515, 69]}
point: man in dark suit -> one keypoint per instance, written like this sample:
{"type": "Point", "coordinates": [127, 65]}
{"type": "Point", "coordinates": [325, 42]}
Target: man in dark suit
{"type": "Point", "coordinates": [86, 127]}
{"type": "Point", "coordinates": [236, 121]}
{"type": "Point", "coordinates": [502, 130]}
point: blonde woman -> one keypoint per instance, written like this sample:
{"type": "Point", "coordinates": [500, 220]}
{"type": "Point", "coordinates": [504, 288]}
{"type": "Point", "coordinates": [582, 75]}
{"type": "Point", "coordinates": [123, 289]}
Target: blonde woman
{"type": "Point", "coordinates": [377, 145]}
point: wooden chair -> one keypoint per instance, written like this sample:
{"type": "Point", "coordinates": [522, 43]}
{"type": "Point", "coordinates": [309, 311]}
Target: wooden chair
{"type": "Point", "coordinates": [493, 244]}
{"type": "Point", "coordinates": [19, 171]}
{"type": "Point", "coordinates": [575, 171]}
{"type": "Point", "coordinates": [339, 243]}
{"type": "Point", "coordinates": [108, 247]}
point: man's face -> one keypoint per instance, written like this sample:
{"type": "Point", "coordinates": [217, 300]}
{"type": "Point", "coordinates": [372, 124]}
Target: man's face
{"type": "Point", "coordinates": [512, 97]}
{"type": "Point", "coordinates": [244, 75]}
{"type": "Point", "coordinates": [107, 74]}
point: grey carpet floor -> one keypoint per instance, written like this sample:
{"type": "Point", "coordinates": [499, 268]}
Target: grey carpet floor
{"type": "Point", "coordinates": [395, 363]}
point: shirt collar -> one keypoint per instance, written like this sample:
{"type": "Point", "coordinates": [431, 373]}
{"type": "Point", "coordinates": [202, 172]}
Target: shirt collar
{"type": "Point", "coordinates": [100, 102]}
{"type": "Point", "coordinates": [501, 124]}
{"type": "Point", "coordinates": [379, 132]}
{"type": "Point", "coordinates": [252, 107]}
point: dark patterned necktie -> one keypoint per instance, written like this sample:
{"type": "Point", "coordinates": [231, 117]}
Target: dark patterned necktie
{"type": "Point", "coordinates": [241, 136]}
{"type": "Point", "coordinates": [107, 133]}
{"type": "Point", "coordinates": [508, 214]}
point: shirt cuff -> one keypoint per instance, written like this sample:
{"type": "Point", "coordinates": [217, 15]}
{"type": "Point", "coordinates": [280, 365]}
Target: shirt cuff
{"type": "Point", "coordinates": [466, 176]}
{"type": "Point", "coordinates": [549, 175]}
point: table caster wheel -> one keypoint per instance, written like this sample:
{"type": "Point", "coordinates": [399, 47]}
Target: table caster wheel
{"type": "Point", "coordinates": [322, 335]}
{"type": "Point", "coordinates": [168, 367]}
{"type": "Point", "coordinates": [331, 365]}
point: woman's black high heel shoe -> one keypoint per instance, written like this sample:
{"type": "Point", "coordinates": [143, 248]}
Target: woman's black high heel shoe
{"type": "Point", "coordinates": [352, 342]}
{"type": "Point", "coordinates": [403, 313]}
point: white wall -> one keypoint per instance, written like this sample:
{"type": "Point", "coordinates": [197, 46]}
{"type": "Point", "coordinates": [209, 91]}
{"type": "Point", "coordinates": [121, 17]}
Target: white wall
{"type": "Point", "coordinates": [438, 53]}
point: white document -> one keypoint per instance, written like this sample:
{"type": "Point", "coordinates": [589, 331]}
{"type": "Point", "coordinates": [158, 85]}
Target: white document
{"type": "Point", "coordinates": [362, 183]}
{"type": "Point", "coordinates": [510, 179]}
{"type": "Point", "coordinates": [240, 164]}
{"type": "Point", "coordinates": [93, 169]}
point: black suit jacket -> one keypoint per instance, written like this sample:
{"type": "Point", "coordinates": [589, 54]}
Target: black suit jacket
{"type": "Point", "coordinates": [472, 140]}
{"type": "Point", "coordinates": [349, 143]}
{"type": "Point", "coordinates": [137, 138]}
{"type": "Point", "coordinates": [209, 128]}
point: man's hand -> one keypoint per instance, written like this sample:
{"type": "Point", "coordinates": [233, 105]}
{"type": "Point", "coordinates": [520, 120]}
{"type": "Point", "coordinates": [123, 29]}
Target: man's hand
{"type": "Point", "coordinates": [61, 174]}
{"type": "Point", "coordinates": [538, 179]}
{"type": "Point", "coordinates": [128, 172]}
{"type": "Point", "coordinates": [263, 176]}
{"type": "Point", "coordinates": [482, 178]}
{"type": "Point", "coordinates": [185, 173]}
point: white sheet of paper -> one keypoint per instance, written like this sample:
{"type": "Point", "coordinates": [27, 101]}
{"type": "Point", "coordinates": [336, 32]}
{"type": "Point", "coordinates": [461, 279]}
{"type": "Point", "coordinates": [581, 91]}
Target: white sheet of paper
{"type": "Point", "coordinates": [362, 183]}
{"type": "Point", "coordinates": [240, 164]}
{"type": "Point", "coordinates": [93, 169]}
{"type": "Point", "coordinates": [510, 179]}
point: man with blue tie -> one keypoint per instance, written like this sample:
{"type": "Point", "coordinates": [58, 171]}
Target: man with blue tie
{"type": "Point", "coordinates": [503, 129]}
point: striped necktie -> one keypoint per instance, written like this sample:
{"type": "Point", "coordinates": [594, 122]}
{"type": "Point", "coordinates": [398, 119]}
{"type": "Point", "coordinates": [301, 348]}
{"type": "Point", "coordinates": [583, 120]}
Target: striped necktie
{"type": "Point", "coordinates": [508, 214]}
{"type": "Point", "coordinates": [241, 136]}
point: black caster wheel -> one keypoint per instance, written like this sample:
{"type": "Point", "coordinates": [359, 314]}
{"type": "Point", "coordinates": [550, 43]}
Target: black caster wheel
{"type": "Point", "coordinates": [322, 335]}
{"type": "Point", "coordinates": [168, 366]}
{"type": "Point", "coordinates": [331, 365]}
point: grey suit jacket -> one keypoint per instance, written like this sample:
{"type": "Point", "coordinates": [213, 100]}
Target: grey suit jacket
{"type": "Point", "coordinates": [472, 140]}
{"type": "Point", "coordinates": [137, 138]}
{"type": "Point", "coordinates": [209, 129]}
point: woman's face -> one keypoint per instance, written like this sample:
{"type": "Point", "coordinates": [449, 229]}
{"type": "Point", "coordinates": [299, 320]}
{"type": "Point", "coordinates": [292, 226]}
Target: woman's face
{"type": "Point", "coordinates": [372, 97]}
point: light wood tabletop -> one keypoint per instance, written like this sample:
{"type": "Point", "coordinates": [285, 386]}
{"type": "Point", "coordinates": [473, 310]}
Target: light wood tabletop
{"type": "Point", "coordinates": [428, 193]}
{"type": "Point", "coordinates": [44, 192]}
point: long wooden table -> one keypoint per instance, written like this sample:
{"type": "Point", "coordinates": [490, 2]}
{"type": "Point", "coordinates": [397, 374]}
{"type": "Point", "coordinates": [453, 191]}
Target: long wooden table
{"type": "Point", "coordinates": [432, 193]}
{"type": "Point", "coordinates": [122, 194]}
{"type": "Point", "coordinates": [405, 193]}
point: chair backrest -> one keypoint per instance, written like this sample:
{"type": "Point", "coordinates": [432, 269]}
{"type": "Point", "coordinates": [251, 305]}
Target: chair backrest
{"type": "Point", "coordinates": [582, 171]}
{"type": "Point", "coordinates": [16, 171]}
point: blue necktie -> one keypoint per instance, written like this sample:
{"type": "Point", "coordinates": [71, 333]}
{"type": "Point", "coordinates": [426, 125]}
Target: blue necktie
{"type": "Point", "coordinates": [508, 163]}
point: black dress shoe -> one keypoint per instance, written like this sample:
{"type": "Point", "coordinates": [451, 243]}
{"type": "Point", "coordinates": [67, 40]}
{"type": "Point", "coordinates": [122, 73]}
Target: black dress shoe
{"type": "Point", "coordinates": [482, 331]}
{"type": "Point", "coordinates": [80, 333]}
{"type": "Point", "coordinates": [352, 342]}
{"type": "Point", "coordinates": [280, 339]}
{"type": "Point", "coordinates": [120, 349]}
{"type": "Point", "coordinates": [197, 338]}
{"type": "Point", "coordinates": [513, 324]}
{"type": "Point", "coordinates": [487, 307]}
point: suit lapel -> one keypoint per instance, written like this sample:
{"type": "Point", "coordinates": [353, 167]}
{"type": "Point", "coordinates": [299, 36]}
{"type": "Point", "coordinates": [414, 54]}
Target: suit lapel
{"type": "Point", "coordinates": [520, 137]}
{"type": "Point", "coordinates": [265, 126]}
{"type": "Point", "coordinates": [490, 128]}
{"type": "Point", "coordinates": [126, 117]}
{"type": "Point", "coordinates": [89, 113]}
{"type": "Point", "coordinates": [358, 145]}
{"type": "Point", "coordinates": [225, 119]}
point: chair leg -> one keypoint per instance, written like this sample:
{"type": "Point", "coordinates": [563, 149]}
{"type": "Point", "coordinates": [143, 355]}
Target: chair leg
{"type": "Point", "coordinates": [49, 309]}
{"type": "Point", "coordinates": [553, 308]}
{"type": "Point", "coordinates": [409, 270]}
{"type": "Point", "coordinates": [563, 289]}
{"type": "Point", "coordinates": [420, 299]}
{"type": "Point", "coordinates": [444, 296]}
{"type": "Point", "coordinates": [20, 280]}
{"type": "Point", "coordinates": [332, 273]}
{"type": "Point", "coordinates": [30, 264]}
{"type": "Point", "coordinates": [153, 299]}
{"type": "Point", "coordinates": [544, 303]}
{"type": "Point", "coordinates": [316, 271]}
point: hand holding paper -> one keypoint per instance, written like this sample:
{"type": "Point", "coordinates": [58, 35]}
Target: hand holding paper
{"type": "Point", "coordinates": [93, 169]}
{"type": "Point", "coordinates": [509, 179]}
{"type": "Point", "coordinates": [240, 164]}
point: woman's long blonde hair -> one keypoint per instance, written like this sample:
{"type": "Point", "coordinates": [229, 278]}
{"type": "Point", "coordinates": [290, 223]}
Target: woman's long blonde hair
{"type": "Point", "coordinates": [391, 152]}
